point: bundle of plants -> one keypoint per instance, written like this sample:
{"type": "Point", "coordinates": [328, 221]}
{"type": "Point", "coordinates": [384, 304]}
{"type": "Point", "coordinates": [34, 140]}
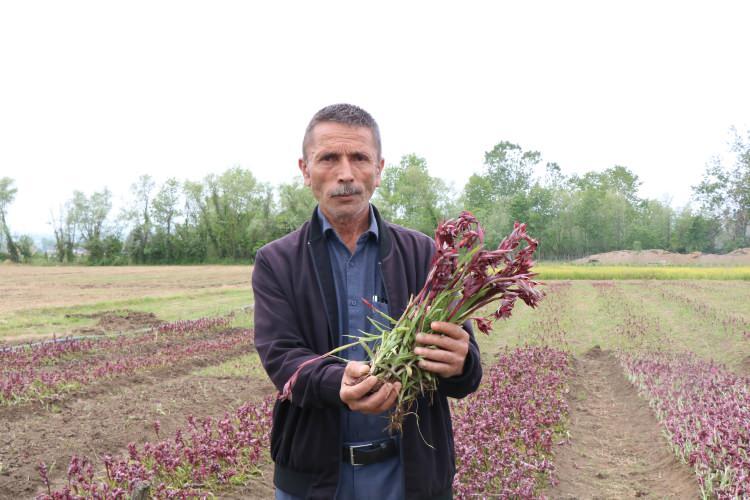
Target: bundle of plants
{"type": "Point", "coordinates": [464, 279]}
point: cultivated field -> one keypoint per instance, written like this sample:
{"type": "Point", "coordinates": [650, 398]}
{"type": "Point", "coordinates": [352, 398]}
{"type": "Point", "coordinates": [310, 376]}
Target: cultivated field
{"type": "Point", "coordinates": [610, 389]}
{"type": "Point", "coordinates": [38, 301]}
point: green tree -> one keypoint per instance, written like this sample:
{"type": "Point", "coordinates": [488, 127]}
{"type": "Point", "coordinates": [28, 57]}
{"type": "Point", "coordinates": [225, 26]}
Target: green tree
{"type": "Point", "coordinates": [26, 248]}
{"type": "Point", "coordinates": [227, 217]}
{"type": "Point", "coordinates": [296, 204]}
{"type": "Point", "coordinates": [509, 168]}
{"type": "Point", "coordinates": [7, 195]}
{"type": "Point", "coordinates": [499, 194]}
{"type": "Point", "coordinates": [724, 194]}
{"type": "Point", "coordinates": [410, 196]}
{"type": "Point", "coordinates": [166, 210]}
{"type": "Point", "coordinates": [621, 180]}
{"type": "Point", "coordinates": [652, 227]}
{"type": "Point", "coordinates": [139, 216]}
{"type": "Point", "coordinates": [693, 232]}
{"type": "Point", "coordinates": [194, 237]}
{"type": "Point", "coordinates": [238, 210]}
{"type": "Point", "coordinates": [65, 227]}
{"type": "Point", "coordinates": [551, 217]}
{"type": "Point", "coordinates": [606, 209]}
{"type": "Point", "coordinates": [88, 214]}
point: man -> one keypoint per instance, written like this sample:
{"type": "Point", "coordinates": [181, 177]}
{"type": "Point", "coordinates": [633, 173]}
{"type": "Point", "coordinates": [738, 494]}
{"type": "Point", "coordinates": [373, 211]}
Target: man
{"type": "Point", "coordinates": [329, 440]}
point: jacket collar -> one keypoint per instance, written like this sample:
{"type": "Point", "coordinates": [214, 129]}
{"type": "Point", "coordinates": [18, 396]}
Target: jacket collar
{"type": "Point", "coordinates": [384, 233]}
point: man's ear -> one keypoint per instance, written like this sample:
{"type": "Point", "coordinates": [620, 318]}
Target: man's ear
{"type": "Point", "coordinates": [305, 170]}
{"type": "Point", "coordinates": [381, 165]}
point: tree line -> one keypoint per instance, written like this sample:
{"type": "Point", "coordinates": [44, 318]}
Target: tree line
{"type": "Point", "coordinates": [228, 217]}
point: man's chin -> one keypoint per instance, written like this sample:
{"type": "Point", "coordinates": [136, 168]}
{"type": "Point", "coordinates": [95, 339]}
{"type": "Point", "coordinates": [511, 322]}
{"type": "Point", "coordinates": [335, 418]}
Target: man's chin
{"type": "Point", "coordinates": [345, 210]}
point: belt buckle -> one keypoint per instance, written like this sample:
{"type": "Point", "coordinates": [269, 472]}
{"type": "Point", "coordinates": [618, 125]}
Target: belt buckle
{"type": "Point", "coordinates": [351, 452]}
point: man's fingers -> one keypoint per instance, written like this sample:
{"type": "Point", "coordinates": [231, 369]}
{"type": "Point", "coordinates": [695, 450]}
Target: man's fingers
{"type": "Point", "coordinates": [440, 355]}
{"type": "Point", "coordinates": [358, 391]}
{"type": "Point", "coordinates": [356, 369]}
{"type": "Point", "coordinates": [372, 402]}
{"type": "Point", "coordinates": [391, 399]}
{"type": "Point", "coordinates": [380, 401]}
{"type": "Point", "coordinates": [447, 343]}
{"type": "Point", "coordinates": [449, 329]}
{"type": "Point", "coordinates": [438, 368]}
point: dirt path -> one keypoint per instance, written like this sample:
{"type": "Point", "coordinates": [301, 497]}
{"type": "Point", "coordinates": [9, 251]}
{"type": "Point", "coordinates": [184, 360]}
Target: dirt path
{"type": "Point", "coordinates": [105, 420]}
{"type": "Point", "coordinates": [616, 447]}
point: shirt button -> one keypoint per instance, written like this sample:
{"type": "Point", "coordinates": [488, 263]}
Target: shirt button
{"type": "Point", "coordinates": [351, 264]}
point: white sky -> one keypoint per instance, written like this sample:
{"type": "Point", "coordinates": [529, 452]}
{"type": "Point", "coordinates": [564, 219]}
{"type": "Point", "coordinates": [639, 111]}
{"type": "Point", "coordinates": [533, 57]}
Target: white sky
{"type": "Point", "coordinates": [94, 94]}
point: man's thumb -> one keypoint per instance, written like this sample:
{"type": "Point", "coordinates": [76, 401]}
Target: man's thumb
{"type": "Point", "coordinates": [357, 369]}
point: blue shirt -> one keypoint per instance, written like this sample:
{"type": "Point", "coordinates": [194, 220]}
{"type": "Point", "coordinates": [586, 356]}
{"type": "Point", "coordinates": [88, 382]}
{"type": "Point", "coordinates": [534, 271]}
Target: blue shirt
{"type": "Point", "coordinates": [357, 276]}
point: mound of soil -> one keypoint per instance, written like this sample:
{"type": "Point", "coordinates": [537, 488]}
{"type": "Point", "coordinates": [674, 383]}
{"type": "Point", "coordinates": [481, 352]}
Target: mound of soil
{"type": "Point", "coordinates": [116, 321]}
{"type": "Point", "coordinates": [738, 257]}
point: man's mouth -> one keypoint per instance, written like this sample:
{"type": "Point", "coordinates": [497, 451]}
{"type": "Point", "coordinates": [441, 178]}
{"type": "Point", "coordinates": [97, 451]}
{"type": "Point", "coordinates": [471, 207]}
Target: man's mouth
{"type": "Point", "coordinates": [345, 192]}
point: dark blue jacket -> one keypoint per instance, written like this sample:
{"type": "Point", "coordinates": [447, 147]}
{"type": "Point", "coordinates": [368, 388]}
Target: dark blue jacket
{"type": "Point", "coordinates": [296, 319]}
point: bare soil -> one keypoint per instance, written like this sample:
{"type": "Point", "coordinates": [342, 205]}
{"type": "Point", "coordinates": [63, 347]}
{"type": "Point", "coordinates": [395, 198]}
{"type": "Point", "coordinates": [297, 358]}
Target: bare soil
{"type": "Point", "coordinates": [616, 448]}
{"type": "Point", "coordinates": [739, 257]}
{"type": "Point", "coordinates": [104, 419]}
{"type": "Point", "coordinates": [745, 366]}
{"type": "Point", "coordinates": [28, 287]}
{"type": "Point", "coordinates": [116, 322]}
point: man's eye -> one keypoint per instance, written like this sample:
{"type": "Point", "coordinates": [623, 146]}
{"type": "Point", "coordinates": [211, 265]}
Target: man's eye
{"type": "Point", "coordinates": [360, 157]}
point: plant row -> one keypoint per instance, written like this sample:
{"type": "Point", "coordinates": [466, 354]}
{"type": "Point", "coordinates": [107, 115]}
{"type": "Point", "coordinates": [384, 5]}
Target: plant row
{"type": "Point", "coordinates": [35, 381]}
{"type": "Point", "coordinates": [186, 326]}
{"type": "Point", "coordinates": [196, 461]}
{"type": "Point", "coordinates": [547, 328]}
{"type": "Point", "coordinates": [60, 349]}
{"type": "Point", "coordinates": [705, 410]}
{"type": "Point", "coordinates": [730, 323]}
{"type": "Point", "coordinates": [504, 432]}
{"type": "Point", "coordinates": [632, 328]}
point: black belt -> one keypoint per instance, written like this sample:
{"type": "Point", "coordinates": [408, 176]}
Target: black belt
{"type": "Point", "coordinates": [366, 454]}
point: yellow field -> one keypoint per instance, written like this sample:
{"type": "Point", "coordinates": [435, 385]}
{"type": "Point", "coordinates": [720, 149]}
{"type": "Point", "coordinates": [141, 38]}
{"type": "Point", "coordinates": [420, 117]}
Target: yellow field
{"type": "Point", "coordinates": [597, 272]}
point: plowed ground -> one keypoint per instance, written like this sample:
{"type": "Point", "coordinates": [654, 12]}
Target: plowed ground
{"type": "Point", "coordinates": [104, 419]}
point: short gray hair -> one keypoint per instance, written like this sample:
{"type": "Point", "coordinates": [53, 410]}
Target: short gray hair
{"type": "Point", "coordinates": [345, 114]}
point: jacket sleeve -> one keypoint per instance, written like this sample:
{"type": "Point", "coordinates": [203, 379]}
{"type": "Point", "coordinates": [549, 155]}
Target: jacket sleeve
{"type": "Point", "coordinates": [281, 346]}
{"type": "Point", "coordinates": [468, 381]}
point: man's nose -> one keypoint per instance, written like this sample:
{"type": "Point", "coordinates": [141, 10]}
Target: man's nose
{"type": "Point", "coordinates": [345, 171]}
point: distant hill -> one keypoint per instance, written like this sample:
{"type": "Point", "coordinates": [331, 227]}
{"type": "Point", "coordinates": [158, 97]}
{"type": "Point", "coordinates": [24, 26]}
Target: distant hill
{"type": "Point", "coordinates": [738, 257]}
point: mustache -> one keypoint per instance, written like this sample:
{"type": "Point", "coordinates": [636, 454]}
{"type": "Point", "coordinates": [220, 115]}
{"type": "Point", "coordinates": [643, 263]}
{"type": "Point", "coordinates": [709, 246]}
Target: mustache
{"type": "Point", "coordinates": [345, 190]}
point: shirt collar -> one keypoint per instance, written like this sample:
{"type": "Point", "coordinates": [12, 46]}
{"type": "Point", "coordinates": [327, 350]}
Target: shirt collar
{"type": "Point", "coordinates": [328, 228]}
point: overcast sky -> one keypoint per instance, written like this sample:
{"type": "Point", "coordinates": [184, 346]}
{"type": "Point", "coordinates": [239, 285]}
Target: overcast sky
{"type": "Point", "coordinates": [93, 94]}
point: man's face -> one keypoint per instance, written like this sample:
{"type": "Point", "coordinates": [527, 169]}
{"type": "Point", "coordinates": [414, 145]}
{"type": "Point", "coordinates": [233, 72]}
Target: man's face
{"type": "Point", "coordinates": [342, 169]}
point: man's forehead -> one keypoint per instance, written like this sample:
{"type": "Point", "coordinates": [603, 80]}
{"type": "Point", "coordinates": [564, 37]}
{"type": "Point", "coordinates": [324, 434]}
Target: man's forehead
{"type": "Point", "coordinates": [329, 134]}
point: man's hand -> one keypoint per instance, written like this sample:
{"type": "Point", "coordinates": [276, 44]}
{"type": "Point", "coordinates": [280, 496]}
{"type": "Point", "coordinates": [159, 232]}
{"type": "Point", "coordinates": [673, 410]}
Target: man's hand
{"type": "Point", "coordinates": [355, 395]}
{"type": "Point", "coordinates": [449, 354]}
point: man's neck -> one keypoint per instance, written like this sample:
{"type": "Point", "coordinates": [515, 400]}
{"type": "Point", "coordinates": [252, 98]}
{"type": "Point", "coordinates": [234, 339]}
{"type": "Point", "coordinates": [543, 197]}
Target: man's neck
{"type": "Point", "coordinates": [349, 229]}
